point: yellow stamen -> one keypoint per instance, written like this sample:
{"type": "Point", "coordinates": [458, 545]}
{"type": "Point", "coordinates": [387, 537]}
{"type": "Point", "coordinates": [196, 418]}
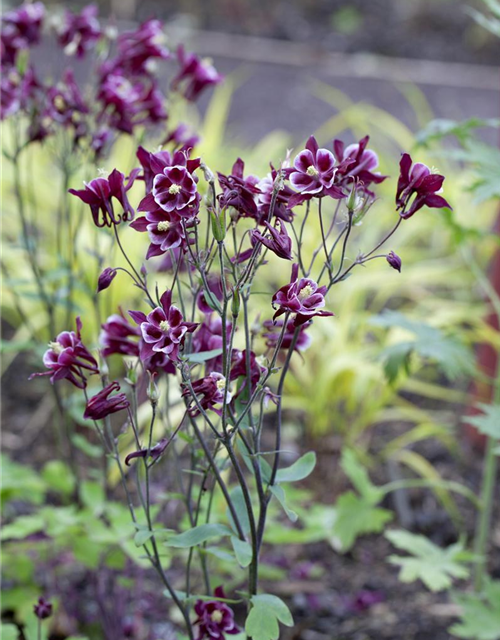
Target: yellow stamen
{"type": "Point", "coordinates": [312, 171]}
{"type": "Point", "coordinates": [164, 225]}
{"type": "Point", "coordinates": [164, 325]}
{"type": "Point", "coordinates": [216, 616]}
{"type": "Point", "coordinates": [56, 347]}
{"type": "Point", "coordinates": [174, 189]}
{"type": "Point", "coordinates": [305, 292]}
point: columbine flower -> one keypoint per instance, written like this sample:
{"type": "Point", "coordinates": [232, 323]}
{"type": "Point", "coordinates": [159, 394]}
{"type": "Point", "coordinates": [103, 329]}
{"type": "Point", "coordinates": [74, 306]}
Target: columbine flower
{"type": "Point", "coordinates": [18, 92]}
{"type": "Point", "coordinates": [194, 75]}
{"type": "Point", "coordinates": [239, 192]}
{"type": "Point", "coordinates": [66, 105]}
{"type": "Point", "coordinates": [394, 260]}
{"type": "Point", "coordinates": [128, 103]}
{"type": "Point", "coordinates": [273, 332]}
{"type": "Point", "coordinates": [417, 182]}
{"type": "Point", "coordinates": [302, 297]}
{"type": "Point", "coordinates": [137, 48]}
{"type": "Point", "coordinates": [215, 286]}
{"type": "Point", "coordinates": [239, 370]}
{"type": "Point", "coordinates": [67, 357]}
{"type": "Point", "coordinates": [42, 609]}
{"type": "Point", "coordinates": [182, 138]}
{"type": "Point", "coordinates": [356, 161]}
{"type": "Point", "coordinates": [215, 618]}
{"type": "Point", "coordinates": [119, 336]}
{"type": "Point", "coordinates": [313, 174]}
{"type": "Point", "coordinates": [208, 337]}
{"type": "Point", "coordinates": [174, 189]}
{"type": "Point", "coordinates": [164, 229]}
{"type": "Point", "coordinates": [99, 192]}
{"type": "Point", "coordinates": [163, 329]}
{"type": "Point", "coordinates": [279, 242]}
{"type": "Point", "coordinates": [264, 198]}
{"type": "Point", "coordinates": [210, 391]}
{"type": "Point", "coordinates": [102, 405]}
{"type": "Point", "coordinates": [78, 33]}
{"type": "Point", "coordinates": [21, 28]}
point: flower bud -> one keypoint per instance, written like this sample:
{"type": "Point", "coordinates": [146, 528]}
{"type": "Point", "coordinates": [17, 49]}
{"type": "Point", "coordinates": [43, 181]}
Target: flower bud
{"type": "Point", "coordinates": [153, 392]}
{"type": "Point", "coordinates": [235, 303]}
{"type": "Point", "coordinates": [106, 278]}
{"type": "Point", "coordinates": [394, 260]}
{"type": "Point", "coordinates": [42, 609]}
{"type": "Point", "coordinates": [218, 225]}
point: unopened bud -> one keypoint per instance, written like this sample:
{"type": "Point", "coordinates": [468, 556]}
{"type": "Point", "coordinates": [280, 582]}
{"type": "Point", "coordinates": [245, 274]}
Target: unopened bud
{"type": "Point", "coordinates": [218, 225]}
{"type": "Point", "coordinates": [235, 303]}
{"type": "Point", "coordinates": [394, 260]}
{"type": "Point", "coordinates": [153, 392]}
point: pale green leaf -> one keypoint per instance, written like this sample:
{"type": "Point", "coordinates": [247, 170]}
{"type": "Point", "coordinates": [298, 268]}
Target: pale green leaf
{"type": "Point", "coordinates": [299, 470]}
{"type": "Point", "coordinates": [355, 516]}
{"type": "Point", "coordinates": [266, 612]}
{"type": "Point", "coordinates": [242, 550]}
{"type": "Point", "coordinates": [198, 535]}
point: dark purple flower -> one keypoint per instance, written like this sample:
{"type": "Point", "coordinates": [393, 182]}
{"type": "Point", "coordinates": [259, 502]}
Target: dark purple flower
{"type": "Point", "coordinates": [394, 260]}
{"type": "Point", "coordinates": [67, 357]}
{"type": "Point", "coordinates": [78, 33]}
{"type": "Point", "coordinates": [194, 75]}
{"type": "Point", "coordinates": [239, 192]}
{"type": "Point", "coordinates": [174, 189]}
{"type": "Point", "coordinates": [42, 609]}
{"type": "Point", "coordinates": [182, 138]}
{"type": "Point", "coordinates": [137, 48]}
{"type": "Point", "coordinates": [356, 162]}
{"type": "Point", "coordinates": [164, 229]}
{"type": "Point", "coordinates": [119, 336]}
{"type": "Point", "coordinates": [302, 297]}
{"type": "Point", "coordinates": [106, 278]}
{"type": "Point", "coordinates": [215, 618]}
{"type": "Point", "coordinates": [21, 28]}
{"type": "Point", "coordinates": [163, 329]}
{"type": "Point", "coordinates": [215, 286]}
{"type": "Point", "coordinates": [362, 600]}
{"type": "Point", "coordinates": [99, 142]}
{"type": "Point", "coordinates": [417, 187]}
{"type": "Point", "coordinates": [66, 106]}
{"type": "Point", "coordinates": [160, 362]}
{"type": "Point", "coordinates": [210, 391]}
{"type": "Point", "coordinates": [208, 337]}
{"type": "Point", "coordinates": [98, 194]}
{"type": "Point", "coordinates": [130, 102]}
{"type": "Point", "coordinates": [273, 332]}
{"type": "Point", "coordinates": [18, 92]}
{"type": "Point", "coordinates": [264, 198]}
{"type": "Point", "coordinates": [279, 242]}
{"type": "Point", "coordinates": [239, 370]}
{"type": "Point", "coordinates": [102, 405]}
{"type": "Point", "coordinates": [313, 174]}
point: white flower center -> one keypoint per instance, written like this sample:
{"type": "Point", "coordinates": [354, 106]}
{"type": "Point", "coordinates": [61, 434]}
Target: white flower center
{"type": "Point", "coordinates": [59, 103]}
{"type": "Point", "coordinates": [312, 171]}
{"type": "Point", "coordinates": [305, 292]}
{"type": "Point", "coordinates": [216, 616]}
{"type": "Point", "coordinates": [221, 384]}
{"type": "Point", "coordinates": [164, 326]}
{"type": "Point", "coordinates": [56, 347]}
{"type": "Point", "coordinates": [164, 225]}
{"type": "Point", "coordinates": [174, 189]}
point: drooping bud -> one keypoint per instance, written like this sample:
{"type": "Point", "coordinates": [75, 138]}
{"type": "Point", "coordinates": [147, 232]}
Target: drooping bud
{"type": "Point", "coordinates": [106, 278]}
{"type": "Point", "coordinates": [394, 260]}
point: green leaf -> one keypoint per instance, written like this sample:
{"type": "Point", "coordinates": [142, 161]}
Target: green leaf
{"type": "Point", "coordinates": [89, 449]}
{"type": "Point", "coordinates": [299, 470]}
{"type": "Point", "coordinates": [142, 536]}
{"type": "Point", "coordinates": [489, 422]}
{"type": "Point", "coordinates": [279, 493]}
{"type": "Point", "coordinates": [242, 550]}
{"type": "Point", "coordinates": [358, 475]}
{"type": "Point", "coordinates": [92, 495]}
{"type": "Point", "coordinates": [355, 516]}
{"type": "Point", "coordinates": [9, 632]}
{"type": "Point", "coordinates": [203, 356]}
{"type": "Point", "coordinates": [241, 510]}
{"type": "Point", "coordinates": [22, 527]}
{"type": "Point", "coordinates": [480, 618]}
{"type": "Point", "coordinates": [58, 477]}
{"type": "Point", "coordinates": [435, 566]}
{"type": "Point", "coordinates": [198, 535]}
{"type": "Point", "coordinates": [262, 621]}
{"type": "Point", "coordinates": [453, 357]}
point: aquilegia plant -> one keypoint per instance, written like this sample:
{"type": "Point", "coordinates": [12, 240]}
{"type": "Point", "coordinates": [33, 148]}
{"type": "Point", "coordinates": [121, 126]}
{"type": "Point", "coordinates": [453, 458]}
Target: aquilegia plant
{"type": "Point", "coordinates": [201, 342]}
{"type": "Point", "coordinates": [199, 365]}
